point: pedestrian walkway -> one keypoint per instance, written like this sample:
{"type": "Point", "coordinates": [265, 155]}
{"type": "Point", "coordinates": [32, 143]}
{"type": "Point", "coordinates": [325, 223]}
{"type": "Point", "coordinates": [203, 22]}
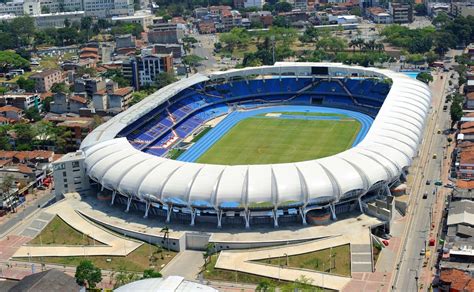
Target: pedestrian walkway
{"type": "Point", "coordinates": [37, 225]}
{"type": "Point", "coordinates": [113, 245]}
{"type": "Point", "coordinates": [243, 260]}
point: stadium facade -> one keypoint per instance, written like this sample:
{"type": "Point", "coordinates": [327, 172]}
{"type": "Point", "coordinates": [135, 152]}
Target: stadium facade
{"type": "Point", "coordinates": [126, 156]}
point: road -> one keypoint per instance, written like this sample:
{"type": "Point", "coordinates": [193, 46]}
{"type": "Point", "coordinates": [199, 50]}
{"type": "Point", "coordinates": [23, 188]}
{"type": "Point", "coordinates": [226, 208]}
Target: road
{"type": "Point", "coordinates": [420, 216]}
{"type": "Point", "coordinates": [24, 214]}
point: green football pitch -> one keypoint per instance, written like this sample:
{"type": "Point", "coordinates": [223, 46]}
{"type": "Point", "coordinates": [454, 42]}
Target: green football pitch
{"type": "Point", "coordinates": [260, 140]}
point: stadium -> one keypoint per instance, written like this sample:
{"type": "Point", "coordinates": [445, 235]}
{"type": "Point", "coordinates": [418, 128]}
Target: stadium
{"type": "Point", "coordinates": [263, 145]}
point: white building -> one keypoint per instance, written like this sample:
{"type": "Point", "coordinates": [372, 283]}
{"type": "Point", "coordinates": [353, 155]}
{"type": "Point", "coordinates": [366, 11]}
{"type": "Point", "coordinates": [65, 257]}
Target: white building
{"type": "Point", "coordinates": [141, 17]}
{"type": "Point", "coordinates": [254, 3]}
{"type": "Point", "coordinates": [98, 8]}
{"type": "Point", "coordinates": [21, 7]}
{"type": "Point", "coordinates": [57, 19]}
{"type": "Point", "coordinates": [69, 175]}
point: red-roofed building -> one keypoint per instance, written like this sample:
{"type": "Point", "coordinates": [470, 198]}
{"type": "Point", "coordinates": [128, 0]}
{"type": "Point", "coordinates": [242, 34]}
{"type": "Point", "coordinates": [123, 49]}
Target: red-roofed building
{"type": "Point", "coordinates": [11, 113]}
{"type": "Point", "coordinates": [454, 280]}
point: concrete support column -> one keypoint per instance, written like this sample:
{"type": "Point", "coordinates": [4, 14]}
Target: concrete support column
{"type": "Point", "coordinates": [101, 188]}
{"type": "Point", "coordinates": [333, 211]}
{"type": "Point", "coordinates": [147, 208]}
{"type": "Point", "coordinates": [303, 216]}
{"type": "Point", "coordinates": [129, 201]}
{"type": "Point", "coordinates": [275, 218]}
{"type": "Point", "coordinates": [387, 189]}
{"type": "Point", "coordinates": [219, 219]}
{"type": "Point", "coordinates": [359, 199]}
{"type": "Point", "coordinates": [168, 213]}
{"type": "Point", "coordinates": [113, 198]}
{"type": "Point", "coordinates": [247, 219]}
{"type": "Point", "coordinates": [193, 216]}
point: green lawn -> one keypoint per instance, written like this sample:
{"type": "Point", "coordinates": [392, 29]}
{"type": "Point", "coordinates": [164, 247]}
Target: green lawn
{"type": "Point", "coordinates": [334, 261]}
{"type": "Point", "coordinates": [57, 232]}
{"type": "Point", "coordinates": [212, 273]}
{"type": "Point", "coordinates": [136, 261]}
{"type": "Point", "coordinates": [260, 140]}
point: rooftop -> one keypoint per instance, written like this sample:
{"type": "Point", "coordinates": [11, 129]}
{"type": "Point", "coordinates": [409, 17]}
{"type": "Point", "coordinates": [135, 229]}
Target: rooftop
{"type": "Point", "coordinates": [9, 108]}
{"type": "Point", "coordinates": [461, 212]}
{"type": "Point", "coordinates": [78, 99]}
{"type": "Point", "coordinates": [123, 91]}
{"type": "Point", "coordinates": [459, 280]}
{"type": "Point", "coordinates": [50, 280]}
{"type": "Point", "coordinates": [467, 157]}
{"type": "Point", "coordinates": [45, 73]}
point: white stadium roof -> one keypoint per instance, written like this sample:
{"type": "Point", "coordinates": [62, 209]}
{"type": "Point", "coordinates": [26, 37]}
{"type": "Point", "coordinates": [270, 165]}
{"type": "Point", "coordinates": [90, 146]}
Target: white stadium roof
{"type": "Point", "coordinates": [389, 146]}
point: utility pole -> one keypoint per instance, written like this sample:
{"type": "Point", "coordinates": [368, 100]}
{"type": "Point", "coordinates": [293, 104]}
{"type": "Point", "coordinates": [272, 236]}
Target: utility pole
{"type": "Point", "coordinates": [272, 38]}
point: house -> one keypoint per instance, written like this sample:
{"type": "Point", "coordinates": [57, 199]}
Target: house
{"type": "Point", "coordinates": [45, 80]}
{"type": "Point", "coordinates": [23, 101]}
{"type": "Point", "coordinates": [454, 280]}
{"type": "Point", "coordinates": [263, 17]}
{"type": "Point", "coordinates": [113, 100]}
{"type": "Point", "coordinates": [89, 85]}
{"type": "Point", "coordinates": [165, 33]}
{"type": "Point", "coordinates": [11, 113]}
{"type": "Point", "coordinates": [379, 15]}
{"type": "Point", "coordinates": [50, 280]}
{"type": "Point", "coordinates": [66, 103]}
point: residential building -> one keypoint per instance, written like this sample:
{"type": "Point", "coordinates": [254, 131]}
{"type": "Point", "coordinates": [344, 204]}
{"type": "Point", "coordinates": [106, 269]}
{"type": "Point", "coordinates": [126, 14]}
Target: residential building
{"type": "Point", "coordinates": [145, 20]}
{"type": "Point", "coordinates": [45, 80]}
{"type": "Point", "coordinates": [27, 7]}
{"type": "Point", "coordinates": [451, 280]}
{"type": "Point", "coordinates": [143, 70]}
{"type": "Point", "coordinates": [300, 4]}
{"type": "Point", "coordinates": [23, 101]}
{"type": "Point", "coordinates": [263, 17]}
{"type": "Point", "coordinates": [401, 12]}
{"type": "Point", "coordinates": [125, 41]}
{"type": "Point", "coordinates": [26, 166]}
{"type": "Point", "coordinates": [230, 19]}
{"type": "Point", "coordinates": [200, 12]}
{"type": "Point", "coordinates": [248, 3]}
{"type": "Point", "coordinates": [294, 16]}
{"type": "Point", "coordinates": [462, 9]}
{"type": "Point", "coordinates": [57, 19]}
{"type": "Point", "coordinates": [207, 27]}
{"type": "Point", "coordinates": [50, 280]}
{"type": "Point", "coordinates": [65, 103]}
{"type": "Point", "coordinates": [89, 85]}
{"type": "Point", "coordinates": [434, 9]}
{"type": "Point", "coordinates": [364, 4]}
{"type": "Point", "coordinates": [379, 15]}
{"type": "Point", "coordinates": [55, 6]}
{"type": "Point", "coordinates": [11, 113]}
{"type": "Point", "coordinates": [176, 50]}
{"type": "Point", "coordinates": [113, 100]}
{"type": "Point", "coordinates": [165, 33]}
{"type": "Point", "coordinates": [100, 8]}
{"type": "Point", "coordinates": [470, 100]}
{"type": "Point", "coordinates": [69, 175]}
{"type": "Point", "coordinates": [79, 126]}
{"type": "Point", "coordinates": [90, 53]}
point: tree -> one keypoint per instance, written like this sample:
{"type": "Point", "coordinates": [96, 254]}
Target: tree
{"type": "Point", "coordinates": [26, 84]}
{"type": "Point", "coordinates": [6, 185]}
{"type": "Point", "coordinates": [420, 9]}
{"type": "Point", "coordinates": [283, 6]}
{"type": "Point", "coordinates": [60, 88]}
{"type": "Point", "coordinates": [192, 60]}
{"type": "Point", "coordinates": [137, 96]}
{"type": "Point", "coordinates": [32, 114]}
{"type": "Point", "coordinates": [123, 277]}
{"type": "Point", "coordinates": [456, 113]}
{"type": "Point", "coordinates": [425, 77]}
{"type": "Point", "coordinates": [264, 286]}
{"type": "Point", "coordinates": [11, 60]}
{"type": "Point", "coordinates": [163, 79]}
{"type": "Point", "coordinates": [87, 274]}
{"type": "Point", "coordinates": [166, 237]}
{"type": "Point", "coordinates": [150, 273]}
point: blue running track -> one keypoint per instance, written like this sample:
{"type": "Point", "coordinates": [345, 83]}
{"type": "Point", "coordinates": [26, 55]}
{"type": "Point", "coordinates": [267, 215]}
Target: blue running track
{"type": "Point", "coordinates": [211, 137]}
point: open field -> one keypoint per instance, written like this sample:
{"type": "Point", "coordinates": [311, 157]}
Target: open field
{"type": "Point", "coordinates": [259, 140]}
{"type": "Point", "coordinates": [334, 261]}
{"type": "Point", "coordinates": [57, 232]}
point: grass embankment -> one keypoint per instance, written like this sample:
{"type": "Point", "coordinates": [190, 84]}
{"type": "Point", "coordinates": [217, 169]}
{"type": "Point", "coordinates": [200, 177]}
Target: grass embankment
{"type": "Point", "coordinates": [58, 232]}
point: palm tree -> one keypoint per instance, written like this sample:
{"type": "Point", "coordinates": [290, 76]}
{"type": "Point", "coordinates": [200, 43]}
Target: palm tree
{"type": "Point", "coordinates": [166, 237]}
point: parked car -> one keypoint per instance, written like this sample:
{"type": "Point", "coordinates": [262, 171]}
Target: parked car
{"type": "Point", "coordinates": [423, 251]}
{"type": "Point", "coordinates": [428, 182]}
{"type": "Point", "coordinates": [425, 195]}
